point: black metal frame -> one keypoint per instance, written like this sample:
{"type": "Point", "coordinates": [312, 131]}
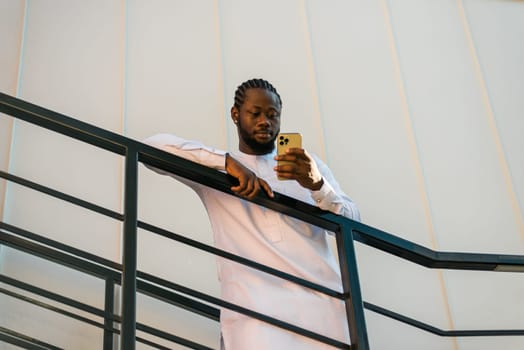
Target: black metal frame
{"type": "Point", "coordinates": [111, 276]}
{"type": "Point", "coordinates": [346, 231]}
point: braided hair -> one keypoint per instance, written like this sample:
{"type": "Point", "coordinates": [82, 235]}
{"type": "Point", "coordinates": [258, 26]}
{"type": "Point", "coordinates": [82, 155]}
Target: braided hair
{"type": "Point", "coordinates": [240, 93]}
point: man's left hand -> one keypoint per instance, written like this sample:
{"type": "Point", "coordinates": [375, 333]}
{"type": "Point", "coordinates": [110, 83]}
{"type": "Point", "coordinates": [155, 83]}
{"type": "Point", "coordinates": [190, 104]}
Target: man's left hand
{"type": "Point", "coordinates": [301, 167]}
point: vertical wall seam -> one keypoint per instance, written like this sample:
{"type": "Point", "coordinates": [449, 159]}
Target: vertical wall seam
{"type": "Point", "coordinates": [22, 49]}
{"type": "Point", "coordinates": [415, 155]}
{"type": "Point", "coordinates": [315, 93]}
{"type": "Point", "coordinates": [123, 69]}
{"type": "Point", "coordinates": [221, 74]}
{"type": "Point", "coordinates": [490, 115]}
{"type": "Point", "coordinates": [123, 108]}
{"type": "Point", "coordinates": [16, 90]}
{"type": "Point", "coordinates": [123, 125]}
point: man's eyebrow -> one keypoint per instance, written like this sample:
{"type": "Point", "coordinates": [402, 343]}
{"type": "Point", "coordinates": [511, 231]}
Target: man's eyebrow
{"type": "Point", "coordinates": [270, 107]}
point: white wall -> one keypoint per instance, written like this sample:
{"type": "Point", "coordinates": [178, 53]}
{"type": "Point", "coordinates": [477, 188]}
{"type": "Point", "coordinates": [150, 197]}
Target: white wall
{"type": "Point", "coordinates": [414, 104]}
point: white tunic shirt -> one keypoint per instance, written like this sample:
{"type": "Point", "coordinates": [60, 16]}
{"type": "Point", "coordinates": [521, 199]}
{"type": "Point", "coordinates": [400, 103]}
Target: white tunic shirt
{"type": "Point", "coordinates": [276, 240]}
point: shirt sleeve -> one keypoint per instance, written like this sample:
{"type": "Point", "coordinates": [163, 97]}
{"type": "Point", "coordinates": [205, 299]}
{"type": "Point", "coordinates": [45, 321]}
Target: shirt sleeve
{"type": "Point", "coordinates": [190, 150]}
{"type": "Point", "coordinates": [331, 197]}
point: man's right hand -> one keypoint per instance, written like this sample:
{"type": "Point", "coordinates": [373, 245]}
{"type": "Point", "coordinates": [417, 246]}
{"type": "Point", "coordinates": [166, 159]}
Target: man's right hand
{"type": "Point", "coordinates": [248, 183]}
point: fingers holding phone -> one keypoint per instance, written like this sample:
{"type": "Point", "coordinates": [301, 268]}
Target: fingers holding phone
{"type": "Point", "coordinates": [295, 163]}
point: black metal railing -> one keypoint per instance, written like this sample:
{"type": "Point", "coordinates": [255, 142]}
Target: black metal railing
{"type": "Point", "coordinates": [346, 232]}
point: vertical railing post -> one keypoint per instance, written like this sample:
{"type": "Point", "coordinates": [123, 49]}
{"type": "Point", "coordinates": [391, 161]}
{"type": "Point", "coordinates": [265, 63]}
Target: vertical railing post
{"type": "Point", "coordinates": [351, 284]}
{"type": "Point", "coordinates": [129, 260]}
{"type": "Point", "coordinates": [109, 306]}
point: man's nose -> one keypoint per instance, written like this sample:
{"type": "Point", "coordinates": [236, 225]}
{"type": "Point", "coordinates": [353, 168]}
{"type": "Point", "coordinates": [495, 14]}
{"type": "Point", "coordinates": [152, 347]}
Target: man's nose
{"type": "Point", "coordinates": [263, 119]}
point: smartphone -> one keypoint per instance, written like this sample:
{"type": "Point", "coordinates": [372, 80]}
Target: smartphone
{"type": "Point", "coordinates": [285, 141]}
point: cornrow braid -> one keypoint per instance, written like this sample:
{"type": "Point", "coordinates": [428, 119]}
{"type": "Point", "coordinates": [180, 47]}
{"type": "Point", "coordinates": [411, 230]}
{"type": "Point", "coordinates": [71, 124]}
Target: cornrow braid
{"type": "Point", "coordinates": [240, 93]}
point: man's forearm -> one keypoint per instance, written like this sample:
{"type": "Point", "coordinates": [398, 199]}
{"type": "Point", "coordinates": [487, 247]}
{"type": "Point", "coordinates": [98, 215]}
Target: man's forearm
{"type": "Point", "coordinates": [188, 149]}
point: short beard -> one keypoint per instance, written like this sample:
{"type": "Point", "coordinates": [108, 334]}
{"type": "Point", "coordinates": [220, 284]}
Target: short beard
{"type": "Point", "coordinates": [259, 148]}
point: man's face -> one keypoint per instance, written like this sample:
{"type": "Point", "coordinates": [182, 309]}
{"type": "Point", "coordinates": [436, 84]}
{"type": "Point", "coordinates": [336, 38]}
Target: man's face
{"type": "Point", "coordinates": [258, 121]}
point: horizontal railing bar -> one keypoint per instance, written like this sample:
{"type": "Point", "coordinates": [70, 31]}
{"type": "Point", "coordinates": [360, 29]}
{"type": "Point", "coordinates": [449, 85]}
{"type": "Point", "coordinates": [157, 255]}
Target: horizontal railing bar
{"type": "Point", "coordinates": [171, 337]}
{"type": "Point", "coordinates": [61, 246]}
{"type": "Point", "coordinates": [51, 295]}
{"type": "Point", "coordinates": [22, 340]}
{"type": "Point", "coordinates": [51, 307]}
{"type": "Point", "coordinates": [62, 124]}
{"type": "Point", "coordinates": [151, 344]}
{"type": "Point", "coordinates": [435, 259]}
{"type": "Point", "coordinates": [145, 328]}
{"type": "Point", "coordinates": [440, 332]}
{"type": "Point", "coordinates": [163, 335]}
{"type": "Point", "coordinates": [60, 195]}
{"type": "Point", "coordinates": [241, 260]}
{"type": "Point", "coordinates": [178, 300]}
{"type": "Point", "coordinates": [267, 319]}
{"type": "Point", "coordinates": [73, 262]}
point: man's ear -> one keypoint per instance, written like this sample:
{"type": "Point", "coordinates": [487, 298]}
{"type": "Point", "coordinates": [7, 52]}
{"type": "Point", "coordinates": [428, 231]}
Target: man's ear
{"type": "Point", "coordinates": [234, 114]}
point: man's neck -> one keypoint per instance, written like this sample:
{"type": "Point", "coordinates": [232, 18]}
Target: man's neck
{"type": "Point", "coordinates": [256, 152]}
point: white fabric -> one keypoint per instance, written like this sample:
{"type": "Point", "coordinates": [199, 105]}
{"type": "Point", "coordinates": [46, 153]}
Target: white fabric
{"type": "Point", "coordinates": [276, 240]}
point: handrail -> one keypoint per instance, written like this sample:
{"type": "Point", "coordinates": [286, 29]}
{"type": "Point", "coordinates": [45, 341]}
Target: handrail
{"type": "Point", "coordinates": [169, 162]}
{"type": "Point", "coordinates": [346, 230]}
